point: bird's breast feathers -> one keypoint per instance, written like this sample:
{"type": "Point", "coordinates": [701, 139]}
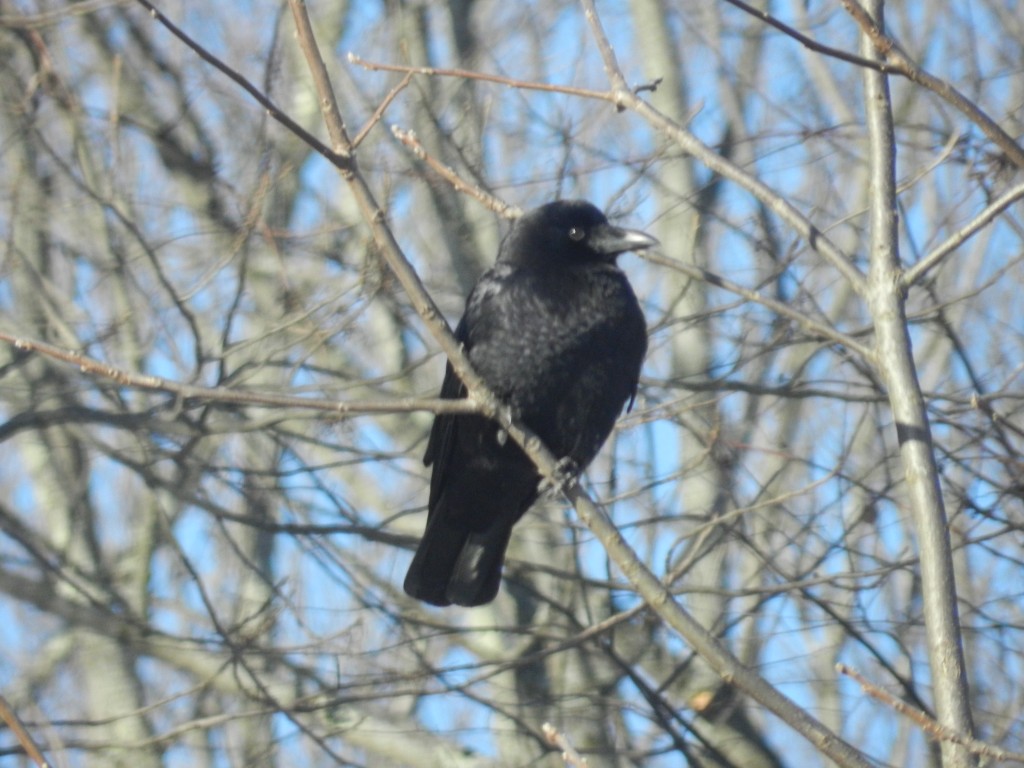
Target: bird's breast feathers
{"type": "Point", "coordinates": [528, 331]}
{"type": "Point", "coordinates": [535, 297]}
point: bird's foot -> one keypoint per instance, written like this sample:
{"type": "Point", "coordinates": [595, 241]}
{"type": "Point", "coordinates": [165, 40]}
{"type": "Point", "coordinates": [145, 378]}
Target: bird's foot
{"type": "Point", "coordinates": [564, 477]}
{"type": "Point", "coordinates": [506, 415]}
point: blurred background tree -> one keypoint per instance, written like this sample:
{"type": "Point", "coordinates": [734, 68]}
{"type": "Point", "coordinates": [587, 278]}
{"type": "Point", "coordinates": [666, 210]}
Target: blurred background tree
{"type": "Point", "coordinates": [191, 581]}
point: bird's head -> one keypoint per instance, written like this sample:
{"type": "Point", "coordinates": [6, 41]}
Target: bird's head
{"type": "Point", "coordinates": [573, 231]}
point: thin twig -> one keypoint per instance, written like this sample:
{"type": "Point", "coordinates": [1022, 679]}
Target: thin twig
{"type": "Point", "coordinates": [901, 64]}
{"type": "Point", "coordinates": [378, 113]}
{"type": "Point", "coordinates": [812, 327]}
{"type": "Point", "coordinates": [272, 109]}
{"type": "Point", "coordinates": [322, 82]}
{"type": "Point", "coordinates": [808, 42]}
{"type": "Point", "coordinates": [183, 392]}
{"type": "Point", "coordinates": [408, 138]}
{"type": "Point", "coordinates": [624, 98]}
{"type": "Point", "coordinates": [926, 723]}
{"type": "Point", "coordinates": [958, 238]}
{"type": "Point", "coordinates": [561, 742]}
{"type": "Point", "coordinates": [49, 18]}
{"type": "Point", "coordinates": [468, 74]}
{"type": "Point", "coordinates": [9, 716]}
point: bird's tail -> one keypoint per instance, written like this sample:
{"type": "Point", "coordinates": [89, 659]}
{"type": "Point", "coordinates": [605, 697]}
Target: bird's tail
{"type": "Point", "coordinates": [455, 565]}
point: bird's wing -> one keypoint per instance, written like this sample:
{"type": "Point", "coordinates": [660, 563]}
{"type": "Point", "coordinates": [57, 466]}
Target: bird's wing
{"type": "Point", "coordinates": [477, 319]}
{"type": "Point", "coordinates": [478, 307]}
{"type": "Point", "coordinates": [439, 443]}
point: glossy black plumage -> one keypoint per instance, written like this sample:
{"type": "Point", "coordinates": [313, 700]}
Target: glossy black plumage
{"type": "Point", "coordinates": [555, 329]}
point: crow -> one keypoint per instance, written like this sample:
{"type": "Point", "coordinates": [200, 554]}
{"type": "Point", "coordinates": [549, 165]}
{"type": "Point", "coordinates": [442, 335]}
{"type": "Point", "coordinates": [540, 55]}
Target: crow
{"type": "Point", "coordinates": [556, 332]}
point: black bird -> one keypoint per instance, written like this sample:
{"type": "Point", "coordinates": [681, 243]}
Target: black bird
{"type": "Point", "coordinates": [555, 330]}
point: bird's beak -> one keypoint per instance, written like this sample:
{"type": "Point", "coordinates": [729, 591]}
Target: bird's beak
{"type": "Point", "coordinates": [611, 240]}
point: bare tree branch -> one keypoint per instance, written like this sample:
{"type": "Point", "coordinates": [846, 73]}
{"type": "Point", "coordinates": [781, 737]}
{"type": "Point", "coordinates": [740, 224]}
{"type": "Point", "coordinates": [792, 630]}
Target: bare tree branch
{"type": "Point", "coordinates": [901, 64]}
{"type": "Point", "coordinates": [983, 218]}
{"type": "Point", "coordinates": [886, 300]}
{"type": "Point", "coordinates": [408, 138]}
{"type": "Point", "coordinates": [223, 395]}
{"type": "Point", "coordinates": [9, 716]}
{"type": "Point", "coordinates": [927, 724]}
{"type": "Point", "coordinates": [623, 97]}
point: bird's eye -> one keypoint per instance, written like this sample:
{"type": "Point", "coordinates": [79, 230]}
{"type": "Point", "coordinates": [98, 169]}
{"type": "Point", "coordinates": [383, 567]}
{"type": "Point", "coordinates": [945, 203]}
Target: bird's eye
{"type": "Point", "coordinates": [576, 234]}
